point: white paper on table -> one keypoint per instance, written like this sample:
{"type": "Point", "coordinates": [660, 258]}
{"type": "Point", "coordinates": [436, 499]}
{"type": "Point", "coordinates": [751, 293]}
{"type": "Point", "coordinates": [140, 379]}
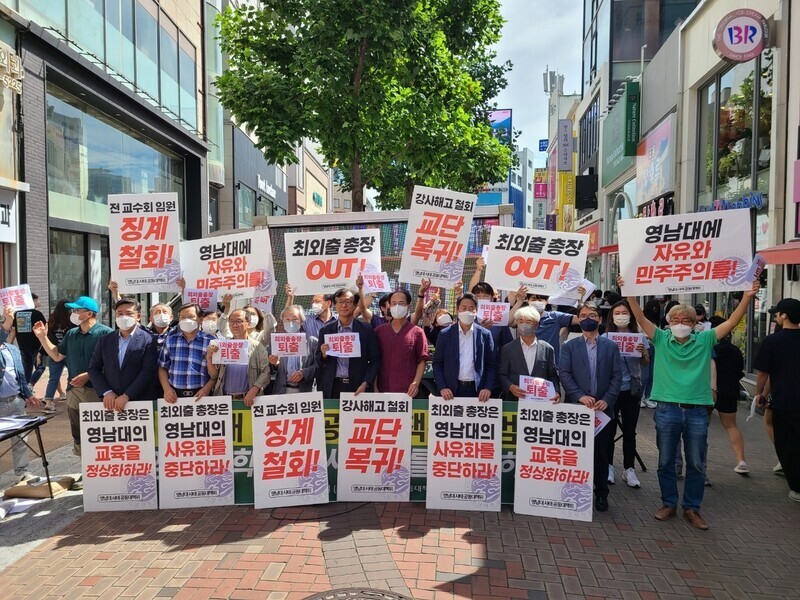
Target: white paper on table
{"type": "Point", "coordinates": [601, 419]}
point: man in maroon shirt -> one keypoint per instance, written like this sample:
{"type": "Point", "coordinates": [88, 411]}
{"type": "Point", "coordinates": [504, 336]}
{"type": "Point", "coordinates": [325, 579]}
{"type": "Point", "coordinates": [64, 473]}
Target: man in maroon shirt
{"type": "Point", "coordinates": [404, 349]}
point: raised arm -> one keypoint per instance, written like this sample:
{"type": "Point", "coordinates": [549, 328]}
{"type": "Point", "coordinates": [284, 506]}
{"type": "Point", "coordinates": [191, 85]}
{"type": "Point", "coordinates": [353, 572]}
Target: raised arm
{"type": "Point", "coordinates": [645, 325]}
{"type": "Point", "coordinates": [480, 264]}
{"type": "Point", "coordinates": [419, 308]}
{"type": "Point", "coordinates": [289, 295]}
{"type": "Point", "coordinates": [725, 328]}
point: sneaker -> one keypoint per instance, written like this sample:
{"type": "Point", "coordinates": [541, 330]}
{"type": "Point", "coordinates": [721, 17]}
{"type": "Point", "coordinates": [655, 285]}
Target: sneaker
{"type": "Point", "coordinates": [650, 404]}
{"type": "Point", "coordinates": [629, 477]}
{"type": "Point", "coordinates": [795, 496]}
{"type": "Point", "coordinates": [49, 407]}
{"type": "Point", "coordinates": [611, 474]}
{"type": "Point", "coordinates": [643, 402]}
{"type": "Point", "coordinates": [778, 470]}
{"type": "Point", "coordinates": [707, 482]}
{"type": "Point", "coordinates": [742, 468]}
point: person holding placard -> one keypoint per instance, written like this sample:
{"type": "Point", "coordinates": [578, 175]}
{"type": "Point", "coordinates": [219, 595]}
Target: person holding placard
{"type": "Point", "coordinates": [319, 314]}
{"type": "Point", "coordinates": [20, 330]}
{"type": "Point", "coordinates": [626, 408]}
{"type": "Point", "coordinates": [296, 374]}
{"type": "Point", "coordinates": [550, 321]}
{"type": "Point", "coordinates": [526, 356]}
{"type": "Point", "coordinates": [682, 391]}
{"type": "Point", "coordinates": [337, 374]}
{"type": "Point", "coordinates": [182, 363]}
{"type": "Point", "coordinates": [465, 362]}
{"type": "Point", "coordinates": [245, 381]}
{"type": "Point", "coordinates": [501, 334]}
{"type": "Point", "coordinates": [404, 349]}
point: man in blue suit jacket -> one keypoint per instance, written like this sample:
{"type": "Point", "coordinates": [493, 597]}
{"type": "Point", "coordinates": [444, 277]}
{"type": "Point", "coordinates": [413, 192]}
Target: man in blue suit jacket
{"type": "Point", "coordinates": [465, 362]}
{"type": "Point", "coordinates": [124, 363]}
{"type": "Point", "coordinates": [590, 368]}
{"type": "Point", "coordinates": [338, 374]}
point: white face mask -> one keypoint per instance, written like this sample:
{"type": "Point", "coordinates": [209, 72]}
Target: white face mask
{"type": "Point", "coordinates": [444, 320]}
{"type": "Point", "coordinates": [467, 317]}
{"type": "Point", "coordinates": [680, 330]}
{"type": "Point", "coordinates": [75, 319]}
{"type": "Point", "coordinates": [316, 308]}
{"type": "Point", "coordinates": [188, 325]}
{"type": "Point", "coordinates": [210, 327]}
{"type": "Point", "coordinates": [291, 326]}
{"type": "Point", "coordinates": [399, 311]}
{"type": "Point", "coordinates": [161, 320]}
{"type": "Point", "coordinates": [125, 322]}
{"type": "Point", "coordinates": [539, 305]}
{"type": "Point", "coordinates": [253, 320]}
{"type": "Point", "coordinates": [622, 320]}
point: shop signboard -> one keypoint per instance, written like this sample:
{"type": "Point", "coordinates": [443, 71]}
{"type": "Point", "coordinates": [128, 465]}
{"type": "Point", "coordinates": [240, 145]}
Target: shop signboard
{"type": "Point", "coordinates": [564, 145]}
{"type": "Point", "coordinates": [621, 134]}
{"type": "Point", "coordinates": [655, 163]}
{"type": "Point", "coordinates": [593, 231]}
{"type": "Point", "coordinates": [741, 35]}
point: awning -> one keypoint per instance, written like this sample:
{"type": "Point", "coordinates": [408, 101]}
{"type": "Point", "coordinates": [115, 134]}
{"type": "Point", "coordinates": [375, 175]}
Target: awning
{"type": "Point", "coordinates": [785, 254]}
{"type": "Point", "coordinates": [609, 249]}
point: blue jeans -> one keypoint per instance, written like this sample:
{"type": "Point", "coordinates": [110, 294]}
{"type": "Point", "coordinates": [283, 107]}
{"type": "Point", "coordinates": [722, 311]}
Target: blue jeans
{"type": "Point", "coordinates": [56, 368]}
{"type": "Point", "coordinates": [672, 424]}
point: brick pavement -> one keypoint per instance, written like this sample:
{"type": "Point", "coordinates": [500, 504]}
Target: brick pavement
{"type": "Point", "coordinates": [751, 551]}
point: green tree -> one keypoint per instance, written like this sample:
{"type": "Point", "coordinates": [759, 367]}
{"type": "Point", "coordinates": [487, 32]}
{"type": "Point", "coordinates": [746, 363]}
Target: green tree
{"type": "Point", "coordinates": [396, 92]}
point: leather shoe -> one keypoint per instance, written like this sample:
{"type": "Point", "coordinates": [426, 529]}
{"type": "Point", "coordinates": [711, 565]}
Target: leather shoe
{"type": "Point", "coordinates": [664, 513]}
{"type": "Point", "coordinates": [695, 519]}
{"type": "Point", "coordinates": [601, 504]}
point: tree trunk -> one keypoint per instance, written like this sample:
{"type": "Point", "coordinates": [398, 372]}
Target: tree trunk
{"type": "Point", "coordinates": [409, 191]}
{"type": "Point", "coordinates": [358, 185]}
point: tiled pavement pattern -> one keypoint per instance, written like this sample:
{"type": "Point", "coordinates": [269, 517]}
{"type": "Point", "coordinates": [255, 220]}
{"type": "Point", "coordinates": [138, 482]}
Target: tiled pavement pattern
{"type": "Point", "coordinates": [752, 550]}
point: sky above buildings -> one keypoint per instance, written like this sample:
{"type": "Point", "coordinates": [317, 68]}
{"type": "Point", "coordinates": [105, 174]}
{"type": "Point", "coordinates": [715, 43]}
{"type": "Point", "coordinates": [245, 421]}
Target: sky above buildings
{"type": "Point", "coordinates": [538, 33]}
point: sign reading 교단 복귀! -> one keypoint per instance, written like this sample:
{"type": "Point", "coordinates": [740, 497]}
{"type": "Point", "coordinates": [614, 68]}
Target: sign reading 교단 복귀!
{"type": "Point", "coordinates": [437, 236]}
{"type": "Point", "coordinates": [546, 262]}
{"type": "Point", "coordinates": [326, 261]}
{"type": "Point", "coordinates": [239, 264]}
{"type": "Point", "coordinates": [694, 253]}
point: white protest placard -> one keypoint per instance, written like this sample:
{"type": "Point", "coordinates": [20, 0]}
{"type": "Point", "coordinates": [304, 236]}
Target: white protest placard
{"type": "Point", "coordinates": [18, 297]}
{"type": "Point", "coordinates": [756, 267]}
{"type": "Point", "coordinates": [691, 253]}
{"type": "Point", "coordinates": [289, 458]}
{"type": "Point", "coordinates": [289, 344]}
{"type": "Point", "coordinates": [346, 345]}
{"type": "Point", "coordinates": [485, 254]}
{"type": "Point", "coordinates": [374, 448]}
{"type": "Point", "coordinates": [437, 236]}
{"type": "Point", "coordinates": [464, 454]}
{"type": "Point", "coordinates": [588, 287]}
{"type": "Point", "coordinates": [376, 283]}
{"type": "Point", "coordinates": [231, 352]}
{"type": "Point", "coordinates": [118, 457]}
{"type": "Point", "coordinates": [554, 461]}
{"type": "Point", "coordinates": [330, 260]}
{"type": "Point", "coordinates": [626, 342]}
{"type": "Point", "coordinates": [195, 452]}
{"type": "Point", "coordinates": [601, 419]}
{"type": "Point", "coordinates": [537, 388]}
{"type": "Point", "coordinates": [144, 239]}
{"type": "Point", "coordinates": [496, 312]}
{"type": "Point", "coordinates": [205, 299]}
{"type": "Point", "coordinates": [263, 302]}
{"type": "Point", "coordinates": [550, 263]}
{"type": "Point", "coordinates": [239, 264]}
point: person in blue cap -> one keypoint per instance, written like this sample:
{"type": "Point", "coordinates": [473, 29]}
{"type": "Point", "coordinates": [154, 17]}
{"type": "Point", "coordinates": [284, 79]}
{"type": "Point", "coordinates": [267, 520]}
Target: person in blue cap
{"type": "Point", "coordinates": [76, 350]}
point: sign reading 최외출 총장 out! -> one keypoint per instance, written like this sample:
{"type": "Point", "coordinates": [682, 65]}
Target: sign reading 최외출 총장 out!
{"type": "Point", "coordinates": [438, 232]}
{"type": "Point", "coordinates": [690, 253]}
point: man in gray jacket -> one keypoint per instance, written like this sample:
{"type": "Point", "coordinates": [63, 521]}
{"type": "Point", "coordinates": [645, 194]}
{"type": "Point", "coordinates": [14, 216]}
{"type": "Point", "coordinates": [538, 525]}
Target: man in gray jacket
{"type": "Point", "coordinates": [295, 373]}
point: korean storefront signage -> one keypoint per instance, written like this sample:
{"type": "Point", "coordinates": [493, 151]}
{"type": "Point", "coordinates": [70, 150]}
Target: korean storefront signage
{"type": "Point", "coordinates": [694, 253]}
{"type": "Point", "coordinates": [437, 236]}
{"type": "Point", "coordinates": [655, 163]}
{"type": "Point", "coordinates": [621, 134]}
{"type": "Point", "coordinates": [741, 35]}
{"type": "Point", "coordinates": [540, 184]}
{"type": "Point", "coordinates": [11, 70]}
{"type": "Point", "coordinates": [593, 231]}
{"type": "Point", "coordinates": [265, 187]}
{"type": "Point", "coordinates": [8, 217]}
{"type": "Point", "coordinates": [564, 145]}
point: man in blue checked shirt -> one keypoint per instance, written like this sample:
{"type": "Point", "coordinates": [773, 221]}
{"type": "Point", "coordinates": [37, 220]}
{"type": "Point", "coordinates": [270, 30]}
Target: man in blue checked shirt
{"type": "Point", "coordinates": [182, 363]}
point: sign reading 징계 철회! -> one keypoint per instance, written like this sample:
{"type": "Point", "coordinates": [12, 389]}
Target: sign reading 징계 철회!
{"type": "Point", "coordinates": [290, 463]}
{"type": "Point", "coordinates": [118, 457]}
{"type": "Point", "coordinates": [195, 451]}
{"type": "Point", "coordinates": [374, 448]}
{"type": "Point", "coordinates": [464, 454]}
{"type": "Point", "coordinates": [437, 236]}
{"type": "Point", "coordinates": [550, 263]}
{"type": "Point", "coordinates": [554, 461]}
{"type": "Point", "coordinates": [695, 253]}
{"type": "Point", "coordinates": [144, 242]}
{"type": "Point", "coordinates": [326, 261]}
{"type": "Point", "coordinates": [239, 264]}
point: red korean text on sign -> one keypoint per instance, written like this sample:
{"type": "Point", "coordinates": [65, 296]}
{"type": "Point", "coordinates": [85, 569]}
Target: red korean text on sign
{"type": "Point", "coordinates": [374, 444]}
{"type": "Point", "coordinates": [437, 237]}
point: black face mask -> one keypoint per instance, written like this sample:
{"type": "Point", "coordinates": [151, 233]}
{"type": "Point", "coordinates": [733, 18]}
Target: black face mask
{"type": "Point", "coordinates": [589, 324]}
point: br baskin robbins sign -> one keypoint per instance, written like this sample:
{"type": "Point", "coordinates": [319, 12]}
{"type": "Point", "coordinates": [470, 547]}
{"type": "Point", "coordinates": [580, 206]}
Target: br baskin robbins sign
{"type": "Point", "coordinates": [741, 35]}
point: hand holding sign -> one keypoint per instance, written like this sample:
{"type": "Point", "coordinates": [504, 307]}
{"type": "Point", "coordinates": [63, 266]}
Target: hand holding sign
{"type": "Point", "coordinates": [376, 282]}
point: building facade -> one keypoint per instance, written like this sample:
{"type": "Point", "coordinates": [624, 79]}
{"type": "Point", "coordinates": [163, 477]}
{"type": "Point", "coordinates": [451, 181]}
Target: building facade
{"type": "Point", "coordinates": [310, 182]}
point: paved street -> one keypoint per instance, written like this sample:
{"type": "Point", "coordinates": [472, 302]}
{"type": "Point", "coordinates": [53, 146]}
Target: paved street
{"type": "Point", "coordinates": [751, 551]}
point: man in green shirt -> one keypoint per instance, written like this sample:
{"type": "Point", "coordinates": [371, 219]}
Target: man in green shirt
{"type": "Point", "coordinates": [682, 391]}
{"type": "Point", "coordinates": [76, 349]}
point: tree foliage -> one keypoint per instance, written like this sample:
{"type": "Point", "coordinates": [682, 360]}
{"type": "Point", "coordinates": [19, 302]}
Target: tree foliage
{"type": "Point", "coordinates": [396, 92]}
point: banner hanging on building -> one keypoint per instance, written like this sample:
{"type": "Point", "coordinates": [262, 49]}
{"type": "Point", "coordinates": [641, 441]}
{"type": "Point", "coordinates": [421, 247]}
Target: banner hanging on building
{"type": "Point", "coordinates": [290, 464]}
{"type": "Point", "coordinates": [118, 457]}
{"type": "Point", "coordinates": [144, 242]}
{"type": "Point", "coordinates": [239, 264]}
{"type": "Point", "coordinates": [464, 454]}
{"type": "Point", "coordinates": [686, 254]}
{"type": "Point", "coordinates": [326, 261]}
{"type": "Point", "coordinates": [546, 262]}
{"type": "Point", "coordinates": [438, 231]}
{"type": "Point", "coordinates": [374, 448]}
{"type": "Point", "coordinates": [554, 461]}
{"type": "Point", "coordinates": [195, 446]}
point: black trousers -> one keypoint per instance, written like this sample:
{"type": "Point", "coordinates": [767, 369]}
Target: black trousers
{"type": "Point", "coordinates": [627, 409]}
{"type": "Point", "coordinates": [340, 386]}
{"type": "Point", "coordinates": [601, 462]}
{"type": "Point", "coordinates": [786, 425]}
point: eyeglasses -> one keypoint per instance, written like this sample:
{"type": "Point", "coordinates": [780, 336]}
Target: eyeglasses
{"type": "Point", "coordinates": [681, 321]}
{"type": "Point", "coordinates": [237, 321]}
{"type": "Point", "coordinates": [345, 303]}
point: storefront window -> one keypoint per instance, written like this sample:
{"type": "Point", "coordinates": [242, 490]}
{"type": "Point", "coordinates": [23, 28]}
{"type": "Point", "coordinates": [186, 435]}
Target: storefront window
{"type": "Point", "coordinates": [170, 96]}
{"type": "Point", "coordinates": [86, 24]}
{"type": "Point", "coordinates": [47, 13]}
{"type": "Point", "coordinates": [246, 200]}
{"type": "Point", "coordinates": [68, 263]}
{"type": "Point", "coordinates": [119, 38]}
{"type": "Point", "coordinates": [628, 34]}
{"type": "Point", "coordinates": [147, 49]}
{"type": "Point", "coordinates": [735, 142]}
{"type": "Point", "coordinates": [705, 158]}
{"type": "Point", "coordinates": [188, 84]}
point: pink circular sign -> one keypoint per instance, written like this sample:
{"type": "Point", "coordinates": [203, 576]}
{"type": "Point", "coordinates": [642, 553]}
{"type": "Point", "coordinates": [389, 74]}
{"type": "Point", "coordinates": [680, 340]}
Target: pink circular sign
{"type": "Point", "coordinates": [741, 35]}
